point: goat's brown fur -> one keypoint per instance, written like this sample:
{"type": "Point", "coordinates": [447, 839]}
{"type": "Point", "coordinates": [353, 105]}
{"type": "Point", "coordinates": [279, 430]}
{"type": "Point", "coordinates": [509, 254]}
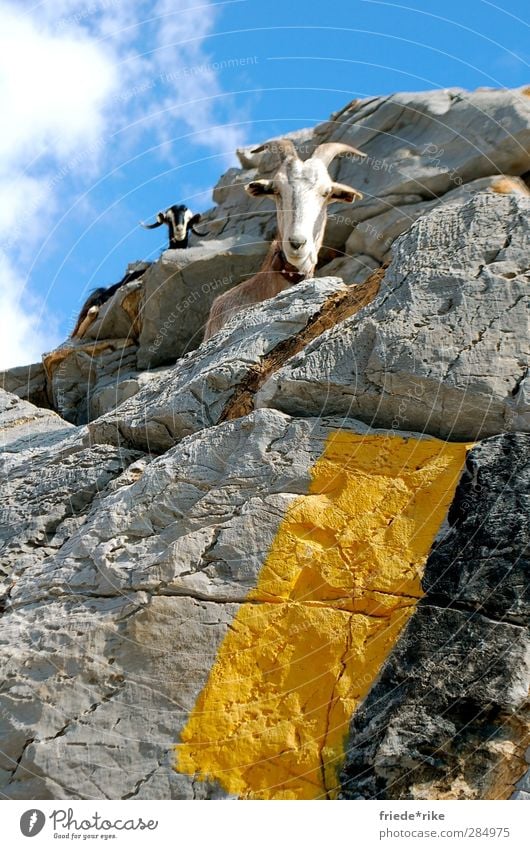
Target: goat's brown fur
{"type": "Point", "coordinates": [302, 191]}
{"type": "Point", "coordinates": [273, 277]}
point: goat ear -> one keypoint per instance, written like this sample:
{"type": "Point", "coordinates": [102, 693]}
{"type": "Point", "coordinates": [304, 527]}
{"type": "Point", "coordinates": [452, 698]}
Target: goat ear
{"type": "Point", "coordinates": [194, 219]}
{"type": "Point", "coordinates": [259, 187]}
{"type": "Point", "coordinates": [344, 193]}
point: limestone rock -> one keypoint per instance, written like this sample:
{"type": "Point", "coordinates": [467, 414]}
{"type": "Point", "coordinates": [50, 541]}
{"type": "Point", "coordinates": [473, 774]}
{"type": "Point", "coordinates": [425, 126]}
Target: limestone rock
{"type": "Point", "coordinates": [23, 425]}
{"type": "Point", "coordinates": [194, 393]}
{"type": "Point", "coordinates": [444, 346]}
{"type": "Point", "coordinates": [376, 235]}
{"type": "Point", "coordinates": [423, 149]}
{"type": "Point", "coordinates": [419, 146]}
{"type": "Point", "coordinates": [351, 269]}
{"type": "Point", "coordinates": [28, 382]}
{"type": "Point", "coordinates": [214, 622]}
{"type": "Point", "coordinates": [78, 368]}
{"type": "Point", "coordinates": [110, 639]}
{"type": "Point", "coordinates": [48, 482]}
{"type": "Point", "coordinates": [111, 390]}
{"type": "Point", "coordinates": [178, 292]}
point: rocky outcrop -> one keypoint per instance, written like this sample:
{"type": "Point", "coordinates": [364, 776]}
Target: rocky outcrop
{"type": "Point", "coordinates": [129, 616]}
{"type": "Point", "coordinates": [444, 347]}
{"type": "Point", "coordinates": [81, 368]}
{"type": "Point", "coordinates": [180, 288]}
{"type": "Point", "coordinates": [280, 564]}
{"type": "Point", "coordinates": [419, 147]}
{"type": "Point", "coordinates": [28, 382]}
{"type": "Point", "coordinates": [423, 150]}
{"type": "Point", "coordinates": [220, 379]}
{"type": "Point", "coordinates": [284, 553]}
{"type": "Point", "coordinates": [48, 482]}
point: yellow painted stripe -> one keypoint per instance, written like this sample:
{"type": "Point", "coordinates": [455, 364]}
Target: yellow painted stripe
{"type": "Point", "coordinates": [339, 583]}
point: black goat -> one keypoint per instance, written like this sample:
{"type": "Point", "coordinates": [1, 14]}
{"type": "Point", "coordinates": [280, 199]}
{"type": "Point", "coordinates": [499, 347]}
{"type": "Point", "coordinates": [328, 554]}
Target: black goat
{"type": "Point", "coordinates": [96, 299]}
{"type": "Point", "coordinates": [180, 220]}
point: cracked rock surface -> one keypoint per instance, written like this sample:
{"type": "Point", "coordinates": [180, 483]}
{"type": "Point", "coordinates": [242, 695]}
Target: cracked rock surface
{"type": "Point", "coordinates": [444, 347]}
{"type": "Point", "coordinates": [193, 394]}
{"type": "Point", "coordinates": [109, 639]}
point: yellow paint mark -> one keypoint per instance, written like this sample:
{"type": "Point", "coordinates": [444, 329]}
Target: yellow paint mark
{"type": "Point", "coordinates": [339, 583]}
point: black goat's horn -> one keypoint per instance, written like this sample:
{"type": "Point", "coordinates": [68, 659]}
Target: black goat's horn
{"type": "Point", "coordinates": [160, 219]}
{"type": "Point", "coordinates": [150, 226]}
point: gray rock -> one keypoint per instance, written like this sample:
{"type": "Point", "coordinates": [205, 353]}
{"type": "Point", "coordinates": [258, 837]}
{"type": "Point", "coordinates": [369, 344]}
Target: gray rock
{"type": "Point", "coordinates": [483, 561]}
{"type": "Point", "coordinates": [422, 149]}
{"type": "Point", "coordinates": [419, 146]}
{"type": "Point", "coordinates": [124, 573]}
{"type": "Point", "coordinates": [24, 426]}
{"type": "Point", "coordinates": [352, 269]}
{"type": "Point", "coordinates": [113, 389]}
{"type": "Point", "coordinates": [194, 393]}
{"type": "Point", "coordinates": [78, 369]}
{"type": "Point", "coordinates": [376, 235]}
{"type": "Point", "coordinates": [108, 641]}
{"type": "Point", "coordinates": [94, 712]}
{"type": "Point", "coordinates": [179, 289]}
{"type": "Point", "coordinates": [443, 348]}
{"type": "Point", "coordinates": [28, 382]}
{"type": "Point", "coordinates": [49, 481]}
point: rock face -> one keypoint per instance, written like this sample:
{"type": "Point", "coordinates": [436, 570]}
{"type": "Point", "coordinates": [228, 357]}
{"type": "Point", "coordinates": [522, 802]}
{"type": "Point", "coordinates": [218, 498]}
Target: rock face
{"type": "Point", "coordinates": [444, 346]}
{"type": "Point", "coordinates": [292, 562]}
{"type": "Point", "coordinates": [139, 599]}
{"type": "Point", "coordinates": [419, 147]}
{"type": "Point", "coordinates": [423, 150]}
{"type": "Point", "coordinates": [49, 480]}
{"type": "Point", "coordinates": [179, 291]}
{"type": "Point", "coordinates": [198, 391]}
{"type": "Point", "coordinates": [28, 382]}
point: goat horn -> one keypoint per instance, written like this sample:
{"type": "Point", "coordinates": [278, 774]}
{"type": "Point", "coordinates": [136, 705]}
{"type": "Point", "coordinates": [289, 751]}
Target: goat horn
{"type": "Point", "coordinates": [329, 150]}
{"type": "Point", "coordinates": [152, 226]}
{"type": "Point", "coordinates": [284, 147]}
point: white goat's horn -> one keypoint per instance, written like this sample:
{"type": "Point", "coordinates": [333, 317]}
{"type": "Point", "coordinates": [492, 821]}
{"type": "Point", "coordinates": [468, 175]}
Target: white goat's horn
{"type": "Point", "coordinates": [284, 147]}
{"type": "Point", "coordinates": [328, 151]}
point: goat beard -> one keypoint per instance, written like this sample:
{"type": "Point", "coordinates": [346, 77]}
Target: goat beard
{"type": "Point", "coordinates": [305, 265]}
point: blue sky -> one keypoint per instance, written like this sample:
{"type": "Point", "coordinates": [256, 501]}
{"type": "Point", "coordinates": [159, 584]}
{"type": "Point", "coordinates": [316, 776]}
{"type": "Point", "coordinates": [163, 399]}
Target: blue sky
{"type": "Point", "coordinates": [114, 109]}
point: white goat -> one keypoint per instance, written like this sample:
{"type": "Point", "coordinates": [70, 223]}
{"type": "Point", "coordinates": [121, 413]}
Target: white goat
{"type": "Point", "coordinates": [302, 191]}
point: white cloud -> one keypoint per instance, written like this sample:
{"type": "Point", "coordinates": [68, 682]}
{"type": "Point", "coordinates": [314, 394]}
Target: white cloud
{"type": "Point", "coordinates": [66, 68]}
{"type": "Point", "coordinates": [26, 331]}
{"type": "Point", "coordinates": [54, 90]}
